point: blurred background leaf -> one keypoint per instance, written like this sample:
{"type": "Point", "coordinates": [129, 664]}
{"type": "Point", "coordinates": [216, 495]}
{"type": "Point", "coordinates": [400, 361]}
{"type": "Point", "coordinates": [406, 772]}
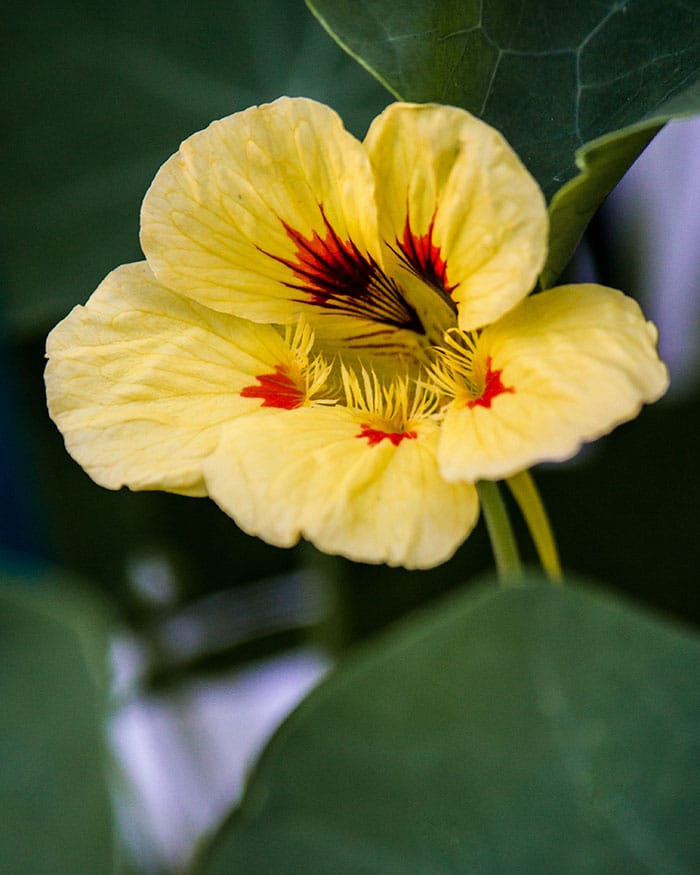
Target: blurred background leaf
{"type": "Point", "coordinates": [531, 730]}
{"type": "Point", "coordinates": [97, 97]}
{"type": "Point", "coordinates": [57, 814]}
{"type": "Point", "coordinates": [571, 88]}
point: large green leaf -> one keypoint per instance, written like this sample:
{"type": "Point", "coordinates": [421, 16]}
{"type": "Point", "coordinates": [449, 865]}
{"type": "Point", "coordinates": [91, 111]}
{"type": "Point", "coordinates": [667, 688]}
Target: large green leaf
{"type": "Point", "coordinates": [602, 164]}
{"type": "Point", "coordinates": [574, 87]}
{"type": "Point", "coordinates": [56, 811]}
{"type": "Point", "coordinates": [532, 730]}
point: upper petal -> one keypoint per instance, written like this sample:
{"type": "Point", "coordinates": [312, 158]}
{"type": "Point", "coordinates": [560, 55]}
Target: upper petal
{"type": "Point", "coordinates": [564, 367]}
{"type": "Point", "coordinates": [140, 381]}
{"type": "Point", "coordinates": [347, 487]}
{"type": "Point", "coordinates": [248, 215]}
{"type": "Point", "coordinates": [458, 207]}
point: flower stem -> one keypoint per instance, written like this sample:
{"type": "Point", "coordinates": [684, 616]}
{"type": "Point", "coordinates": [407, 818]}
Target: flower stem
{"type": "Point", "coordinates": [505, 550]}
{"type": "Point", "coordinates": [528, 498]}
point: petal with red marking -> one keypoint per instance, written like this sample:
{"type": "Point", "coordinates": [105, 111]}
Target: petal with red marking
{"type": "Point", "coordinates": [319, 473]}
{"type": "Point", "coordinates": [250, 212]}
{"type": "Point", "coordinates": [458, 208]}
{"type": "Point", "coordinates": [270, 213]}
{"type": "Point", "coordinates": [140, 381]}
{"type": "Point", "coordinates": [567, 366]}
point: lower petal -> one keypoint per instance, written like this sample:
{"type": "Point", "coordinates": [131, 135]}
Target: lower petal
{"type": "Point", "coordinates": [572, 364]}
{"type": "Point", "coordinates": [140, 381]}
{"type": "Point", "coordinates": [319, 474]}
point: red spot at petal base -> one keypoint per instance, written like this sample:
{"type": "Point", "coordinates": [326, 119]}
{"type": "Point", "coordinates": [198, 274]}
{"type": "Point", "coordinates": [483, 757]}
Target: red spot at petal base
{"type": "Point", "coordinates": [277, 390]}
{"type": "Point", "coordinates": [493, 387]}
{"type": "Point", "coordinates": [375, 436]}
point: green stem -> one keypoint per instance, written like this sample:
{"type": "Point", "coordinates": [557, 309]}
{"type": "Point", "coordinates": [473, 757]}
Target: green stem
{"type": "Point", "coordinates": [505, 550]}
{"type": "Point", "coordinates": [528, 499]}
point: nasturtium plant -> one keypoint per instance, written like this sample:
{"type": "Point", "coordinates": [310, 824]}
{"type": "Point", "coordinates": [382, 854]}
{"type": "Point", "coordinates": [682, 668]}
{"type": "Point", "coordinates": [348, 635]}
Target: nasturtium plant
{"type": "Point", "coordinates": [334, 339]}
{"type": "Point", "coordinates": [346, 328]}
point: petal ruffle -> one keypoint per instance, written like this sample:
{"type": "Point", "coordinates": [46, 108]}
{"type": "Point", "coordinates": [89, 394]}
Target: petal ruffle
{"type": "Point", "coordinates": [310, 473]}
{"type": "Point", "coordinates": [140, 381]}
{"type": "Point", "coordinates": [568, 365]}
{"type": "Point", "coordinates": [249, 211]}
{"type": "Point", "coordinates": [458, 206]}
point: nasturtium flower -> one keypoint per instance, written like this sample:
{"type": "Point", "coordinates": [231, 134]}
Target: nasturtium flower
{"type": "Point", "coordinates": [336, 339]}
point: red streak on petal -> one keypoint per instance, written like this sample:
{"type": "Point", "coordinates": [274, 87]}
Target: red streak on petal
{"type": "Point", "coordinates": [375, 435]}
{"type": "Point", "coordinates": [424, 256]}
{"type": "Point", "coordinates": [493, 387]}
{"type": "Point", "coordinates": [329, 266]}
{"type": "Point", "coordinates": [277, 390]}
{"type": "Point", "coordinates": [334, 274]}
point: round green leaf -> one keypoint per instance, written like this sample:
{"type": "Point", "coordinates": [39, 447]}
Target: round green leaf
{"type": "Point", "coordinates": [531, 730]}
{"type": "Point", "coordinates": [575, 88]}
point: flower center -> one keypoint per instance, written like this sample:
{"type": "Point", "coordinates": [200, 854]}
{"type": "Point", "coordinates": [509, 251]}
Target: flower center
{"type": "Point", "coordinates": [389, 411]}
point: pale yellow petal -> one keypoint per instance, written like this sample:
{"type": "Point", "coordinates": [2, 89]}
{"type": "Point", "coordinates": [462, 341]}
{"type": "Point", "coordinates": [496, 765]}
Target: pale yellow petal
{"type": "Point", "coordinates": [140, 381]}
{"type": "Point", "coordinates": [467, 199]}
{"type": "Point", "coordinates": [309, 473]}
{"type": "Point", "coordinates": [249, 206]}
{"type": "Point", "coordinates": [575, 362]}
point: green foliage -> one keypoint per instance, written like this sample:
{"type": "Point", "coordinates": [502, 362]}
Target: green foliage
{"type": "Point", "coordinates": [56, 811]}
{"type": "Point", "coordinates": [602, 164]}
{"type": "Point", "coordinates": [96, 97]}
{"type": "Point", "coordinates": [530, 730]}
{"type": "Point", "coordinates": [575, 89]}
